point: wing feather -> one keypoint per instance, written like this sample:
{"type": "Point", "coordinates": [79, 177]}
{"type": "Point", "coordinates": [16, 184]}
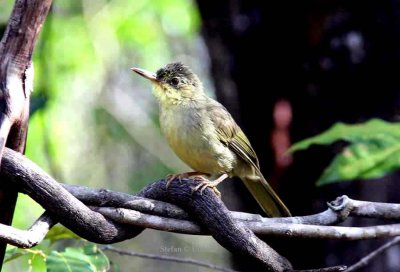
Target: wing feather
{"type": "Point", "coordinates": [230, 133]}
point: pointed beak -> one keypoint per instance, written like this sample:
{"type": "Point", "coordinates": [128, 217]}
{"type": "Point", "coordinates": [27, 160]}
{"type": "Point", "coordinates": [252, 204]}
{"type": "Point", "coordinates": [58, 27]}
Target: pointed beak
{"type": "Point", "coordinates": [146, 74]}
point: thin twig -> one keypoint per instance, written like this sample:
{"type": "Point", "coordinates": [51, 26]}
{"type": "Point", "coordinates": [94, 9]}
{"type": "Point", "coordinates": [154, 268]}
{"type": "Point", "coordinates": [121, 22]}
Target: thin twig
{"type": "Point", "coordinates": [166, 258]}
{"type": "Point", "coordinates": [337, 268]}
{"type": "Point", "coordinates": [135, 218]}
{"type": "Point", "coordinates": [367, 259]}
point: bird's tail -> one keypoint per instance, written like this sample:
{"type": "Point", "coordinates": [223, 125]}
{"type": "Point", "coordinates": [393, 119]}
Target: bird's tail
{"type": "Point", "coordinates": [269, 201]}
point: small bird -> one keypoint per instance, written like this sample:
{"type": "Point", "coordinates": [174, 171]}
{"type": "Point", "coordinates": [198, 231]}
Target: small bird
{"type": "Point", "coordinates": [204, 135]}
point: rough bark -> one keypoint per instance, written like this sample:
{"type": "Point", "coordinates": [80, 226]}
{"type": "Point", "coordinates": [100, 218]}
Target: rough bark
{"type": "Point", "coordinates": [16, 76]}
{"type": "Point", "coordinates": [207, 209]}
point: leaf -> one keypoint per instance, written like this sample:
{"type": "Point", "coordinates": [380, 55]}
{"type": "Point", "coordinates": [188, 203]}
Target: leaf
{"type": "Point", "coordinates": [373, 129]}
{"type": "Point", "coordinates": [59, 232]}
{"type": "Point", "coordinates": [34, 258]}
{"type": "Point", "coordinates": [364, 160]}
{"type": "Point", "coordinates": [374, 150]}
{"type": "Point", "coordinates": [74, 259]}
{"type": "Point", "coordinates": [13, 253]}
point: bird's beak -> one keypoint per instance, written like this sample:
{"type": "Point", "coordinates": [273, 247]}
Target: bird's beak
{"type": "Point", "coordinates": [146, 74]}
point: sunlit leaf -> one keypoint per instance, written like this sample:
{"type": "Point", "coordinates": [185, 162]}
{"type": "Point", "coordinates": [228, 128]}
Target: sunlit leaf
{"type": "Point", "coordinates": [373, 129]}
{"type": "Point", "coordinates": [374, 150]}
{"type": "Point", "coordinates": [362, 160]}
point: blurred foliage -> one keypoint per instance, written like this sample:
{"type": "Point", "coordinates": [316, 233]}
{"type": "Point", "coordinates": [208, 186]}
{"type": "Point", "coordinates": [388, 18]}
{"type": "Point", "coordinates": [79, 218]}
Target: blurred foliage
{"type": "Point", "coordinates": [373, 150]}
{"type": "Point", "coordinates": [93, 122]}
{"type": "Point", "coordinates": [87, 258]}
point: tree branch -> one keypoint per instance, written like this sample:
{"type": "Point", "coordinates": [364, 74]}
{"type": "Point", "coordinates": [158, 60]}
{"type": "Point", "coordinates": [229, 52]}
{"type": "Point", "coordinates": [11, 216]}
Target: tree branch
{"type": "Point", "coordinates": [338, 211]}
{"type": "Point", "coordinates": [65, 208]}
{"type": "Point", "coordinates": [135, 218]}
{"type": "Point", "coordinates": [16, 83]}
{"type": "Point", "coordinates": [203, 214]}
{"type": "Point", "coordinates": [28, 238]}
{"type": "Point", "coordinates": [206, 208]}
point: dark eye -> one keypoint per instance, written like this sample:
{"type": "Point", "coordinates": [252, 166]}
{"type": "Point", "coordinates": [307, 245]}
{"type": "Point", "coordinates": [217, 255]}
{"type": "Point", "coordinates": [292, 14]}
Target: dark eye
{"type": "Point", "coordinates": [174, 81]}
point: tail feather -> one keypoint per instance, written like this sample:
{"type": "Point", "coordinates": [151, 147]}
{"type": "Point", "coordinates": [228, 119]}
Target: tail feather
{"type": "Point", "coordinates": [265, 196]}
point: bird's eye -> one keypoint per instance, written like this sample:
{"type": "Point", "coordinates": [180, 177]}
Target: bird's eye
{"type": "Point", "coordinates": [174, 81]}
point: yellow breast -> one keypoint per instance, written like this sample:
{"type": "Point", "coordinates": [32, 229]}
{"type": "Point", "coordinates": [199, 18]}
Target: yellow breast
{"type": "Point", "coordinates": [192, 137]}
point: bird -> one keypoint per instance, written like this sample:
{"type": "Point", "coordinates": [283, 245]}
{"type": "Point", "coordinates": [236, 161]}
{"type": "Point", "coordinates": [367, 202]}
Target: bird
{"type": "Point", "coordinates": [204, 135]}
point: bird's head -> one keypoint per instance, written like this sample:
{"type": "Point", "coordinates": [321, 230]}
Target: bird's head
{"type": "Point", "coordinates": [173, 83]}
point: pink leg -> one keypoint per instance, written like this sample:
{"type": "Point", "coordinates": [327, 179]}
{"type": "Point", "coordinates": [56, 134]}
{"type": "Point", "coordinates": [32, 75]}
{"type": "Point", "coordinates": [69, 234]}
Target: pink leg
{"type": "Point", "coordinates": [210, 184]}
{"type": "Point", "coordinates": [181, 176]}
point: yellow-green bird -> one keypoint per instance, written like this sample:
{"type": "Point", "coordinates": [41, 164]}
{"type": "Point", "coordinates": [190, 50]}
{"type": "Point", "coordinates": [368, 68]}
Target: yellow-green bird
{"type": "Point", "coordinates": [204, 135]}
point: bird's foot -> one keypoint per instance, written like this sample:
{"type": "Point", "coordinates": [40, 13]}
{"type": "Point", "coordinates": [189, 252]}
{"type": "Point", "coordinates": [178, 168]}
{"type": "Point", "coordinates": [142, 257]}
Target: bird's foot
{"type": "Point", "coordinates": [181, 176]}
{"type": "Point", "coordinates": [204, 183]}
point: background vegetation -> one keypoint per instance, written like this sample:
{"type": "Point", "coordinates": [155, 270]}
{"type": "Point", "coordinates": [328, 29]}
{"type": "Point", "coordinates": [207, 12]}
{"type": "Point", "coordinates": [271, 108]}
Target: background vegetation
{"type": "Point", "coordinates": [95, 123]}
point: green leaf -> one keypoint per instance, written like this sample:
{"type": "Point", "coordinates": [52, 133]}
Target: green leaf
{"type": "Point", "coordinates": [34, 258]}
{"type": "Point", "coordinates": [363, 160]}
{"type": "Point", "coordinates": [13, 253]}
{"type": "Point", "coordinates": [74, 259]}
{"type": "Point", "coordinates": [59, 232]}
{"type": "Point", "coordinates": [374, 150]}
{"type": "Point", "coordinates": [373, 129]}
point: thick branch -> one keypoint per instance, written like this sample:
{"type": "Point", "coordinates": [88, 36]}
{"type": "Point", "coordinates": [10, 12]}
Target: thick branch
{"type": "Point", "coordinates": [211, 214]}
{"type": "Point", "coordinates": [207, 209]}
{"type": "Point", "coordinates": [54, 198]}
{"type": "Point", "coordinates": [16, 83]}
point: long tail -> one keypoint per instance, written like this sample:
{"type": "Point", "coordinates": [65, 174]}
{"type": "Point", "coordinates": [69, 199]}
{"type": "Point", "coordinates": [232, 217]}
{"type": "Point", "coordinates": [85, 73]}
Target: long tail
{"type": "Point", "coordinates": [269, 201]}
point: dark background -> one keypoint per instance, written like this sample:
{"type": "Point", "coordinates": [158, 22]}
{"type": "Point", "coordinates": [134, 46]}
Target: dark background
{"type": "Point", "coordinates": [332, 61]}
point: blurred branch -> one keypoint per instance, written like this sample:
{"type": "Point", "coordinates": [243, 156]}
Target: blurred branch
{"type": "Point", "coordinates": [367, 259]}
{"type": "Point", "coordinates": [166, 258]}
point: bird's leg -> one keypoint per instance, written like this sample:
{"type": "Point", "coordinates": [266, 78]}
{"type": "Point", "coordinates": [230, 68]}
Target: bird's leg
{"type": "Point", "coordinates": [211, 184]}
{"type": "Point", "coordinates": [181, 176]}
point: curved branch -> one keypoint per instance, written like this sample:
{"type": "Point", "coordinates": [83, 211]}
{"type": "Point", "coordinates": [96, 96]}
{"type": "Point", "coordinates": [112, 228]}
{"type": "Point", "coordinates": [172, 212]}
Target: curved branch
{"type": "Point", "coordinates": [65, 208]}
{"type": "Point", "coordinates": [209, 211]}
{"type": "Point", "coordinates": [31, 237]}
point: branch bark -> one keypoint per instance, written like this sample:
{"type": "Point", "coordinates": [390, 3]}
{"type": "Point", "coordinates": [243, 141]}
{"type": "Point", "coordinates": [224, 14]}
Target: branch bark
{"type": "Point", "coordinates": [65, 208]}
{"type": "Point", "coordinates": [110, 213]}
{"type": "Point", "coordinates": [207, 209]}
{"type": "Point", "coordinates": [16, 77]}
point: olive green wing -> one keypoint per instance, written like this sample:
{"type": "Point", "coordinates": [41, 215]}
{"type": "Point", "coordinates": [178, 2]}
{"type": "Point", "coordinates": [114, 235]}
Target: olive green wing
{"type": "Point", "coordinates": [230, 134]}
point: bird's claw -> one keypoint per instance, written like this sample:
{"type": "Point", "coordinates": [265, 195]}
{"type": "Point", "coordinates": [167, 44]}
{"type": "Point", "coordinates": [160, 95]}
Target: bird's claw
{"type": "Point", "coordinates": [170, 178]}
{"type": "Point", "coordinates": [204, 183]}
